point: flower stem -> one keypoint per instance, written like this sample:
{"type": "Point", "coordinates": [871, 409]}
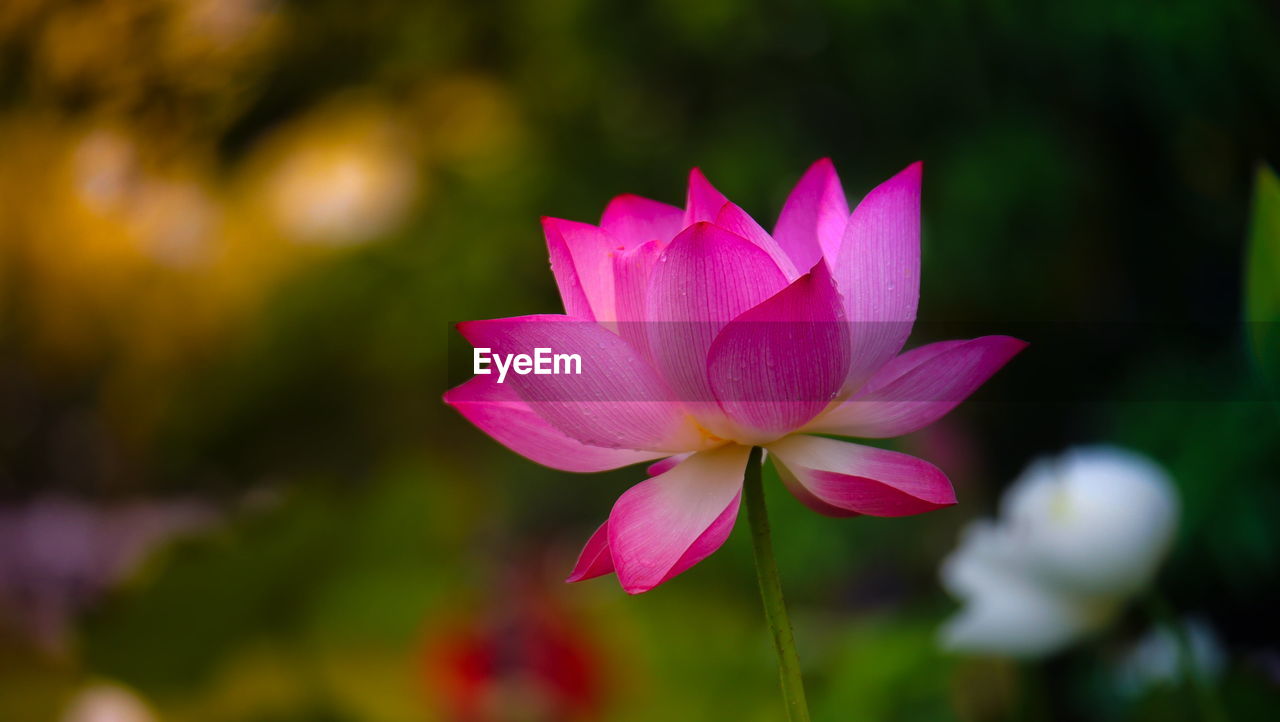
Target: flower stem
{"type": "Point", "coordinates": [1207, 701]}
{"type": "Point", "coordinates": [775, 609]}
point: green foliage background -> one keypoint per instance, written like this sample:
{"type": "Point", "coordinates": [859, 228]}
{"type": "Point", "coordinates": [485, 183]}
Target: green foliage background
{"type": "Point", "coordinates": [1089, 171]}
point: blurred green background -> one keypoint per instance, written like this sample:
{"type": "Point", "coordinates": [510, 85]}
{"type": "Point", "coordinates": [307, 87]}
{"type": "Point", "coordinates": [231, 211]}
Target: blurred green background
{"type": "Point", "coordinates": [234, 235]}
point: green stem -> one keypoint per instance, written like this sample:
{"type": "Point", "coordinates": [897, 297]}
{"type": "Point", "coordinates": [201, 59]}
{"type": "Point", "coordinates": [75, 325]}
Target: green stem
{"type": "Point", "coordinates": [1210, 707]}
{"type": "Point", "coordinates": [775, 609]}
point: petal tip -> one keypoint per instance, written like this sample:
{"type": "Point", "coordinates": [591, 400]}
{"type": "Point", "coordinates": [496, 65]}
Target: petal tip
{"type": "Point", "coordinates": [701, 185]}
{"type": "Point", "coordinates": [911, 177]}
{"type": "Point", "coordinates": [1012, 346]}
{"type": "Point", "coordinates": [583, 575]}
{"type": "Point", "coordinates": [636, 589]}
{"type": "Point", "coordinates": [595, 559]}
{"type": "Point", "coordinates": [552, 223]}
{"type": "Point", "coordinates": [696, 232]}
{"type": "Point", "coordinates": [466, 328]}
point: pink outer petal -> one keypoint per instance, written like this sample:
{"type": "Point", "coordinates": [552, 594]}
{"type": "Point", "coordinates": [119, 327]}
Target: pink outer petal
{"type": "Point", "coordinates": [878, 271]}
{"type": "Point", "coordinates": [782, 362]}
{"type": "Point", "coordinates": [582, 262]}
{"type": "Point", "coordinates": [664, 465]}
{"type": "Point", "coordinates": [702, 202]}
{"type": "Point", "coordinates": [862, 479]}
{"type": "Point", "coordinates": [662, 526]}
{"type": "Point", "coordinates": [595, 559]}
{"type": "Point", "coordinates": [814, 217]}
{"type": "Point", "coordinates": [919, 387]}
{"type": "Point", "coordinates": [704, 279]}
{"type": "Point", "coordinates": [496, 410]}
{"type": "Point", "coordinates": [738, 222]}
{"type": "Point", "coordinates": [799, 491]}
{"type": "Point", "coordinates": [633, 220]}
{"type": "Point", "coordinates": [617, 401]}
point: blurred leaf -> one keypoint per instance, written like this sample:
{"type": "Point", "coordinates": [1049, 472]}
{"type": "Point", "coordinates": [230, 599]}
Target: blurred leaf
{"type": "Point", "coordinates": [321, 574]}
{"type": "Point", "coordinates": [1262, 276]}
{"type": "Point", "coordinates": [888, 667]}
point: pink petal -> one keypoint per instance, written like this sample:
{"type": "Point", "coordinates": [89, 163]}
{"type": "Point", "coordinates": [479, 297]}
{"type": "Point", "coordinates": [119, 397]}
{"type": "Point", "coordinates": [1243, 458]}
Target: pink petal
{"type": "Point", "coordinates": [631, 271]}
{"type": "Point", "coordinates": [617, 401]}
{"type": "Point", "coordinates": [662, 526]}
{"type": "Point", "coordinates": [860, 479]}
{"type": "Point", "coordinates": [782, 362]}
{"type": "Point", "coordinates": [664, 465]}
{"type": "Point", "coordinates": [704, 279]}
{"type": "Point", "coordinates": [496, 410]}
{"type": "Point", "coordinates": [738, 222]}
{"type": "Point", "coordinates": [595, 559]}
{"type": "Point", "coordinates": [919, 387]}
{"type": "Point", "coordinates": [565, 271]}
{"type": "Point", "coordinates": [814, 217]}
{"type": "Point", "coordinates": [878, 271]}
{"type": "Point", "coordinates": [703, 202]}
{"type": "Point", "coordinates": [633, 220]}
{"type": "Point", "coordinates": [806, 497]}
{"type": "Point", "coordinates": [582, 262]}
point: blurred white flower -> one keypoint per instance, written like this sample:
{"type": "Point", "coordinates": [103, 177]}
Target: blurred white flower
{"type": "Point", "coordinates": [343, 189]}
{"type": "Point", "coordinates": [1157, 659]}
{"type": "Point", "coordinates": [172, 217]}
{"type": "Point", "coordinates": [105, 167]}
{"type": "Point", "coordinates": [1077, 536]}
{"type": "Point", "coordinates": [224, 22]}
{"type": "Point", "coordinates": [107, 702]}
{"type": "Point", "coordinates": [176, 222]}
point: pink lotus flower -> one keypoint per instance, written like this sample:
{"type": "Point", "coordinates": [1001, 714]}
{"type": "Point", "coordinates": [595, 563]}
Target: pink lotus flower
{"type": "Point", "coordinates": [703, 335]}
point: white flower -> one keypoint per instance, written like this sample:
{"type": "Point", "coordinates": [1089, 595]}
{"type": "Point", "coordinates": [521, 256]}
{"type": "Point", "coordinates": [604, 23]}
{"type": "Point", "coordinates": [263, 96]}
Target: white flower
{"type": "Point", "coordinates": [107, 702]}
{"type": "Point", "coordinates": [1078, 535]}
